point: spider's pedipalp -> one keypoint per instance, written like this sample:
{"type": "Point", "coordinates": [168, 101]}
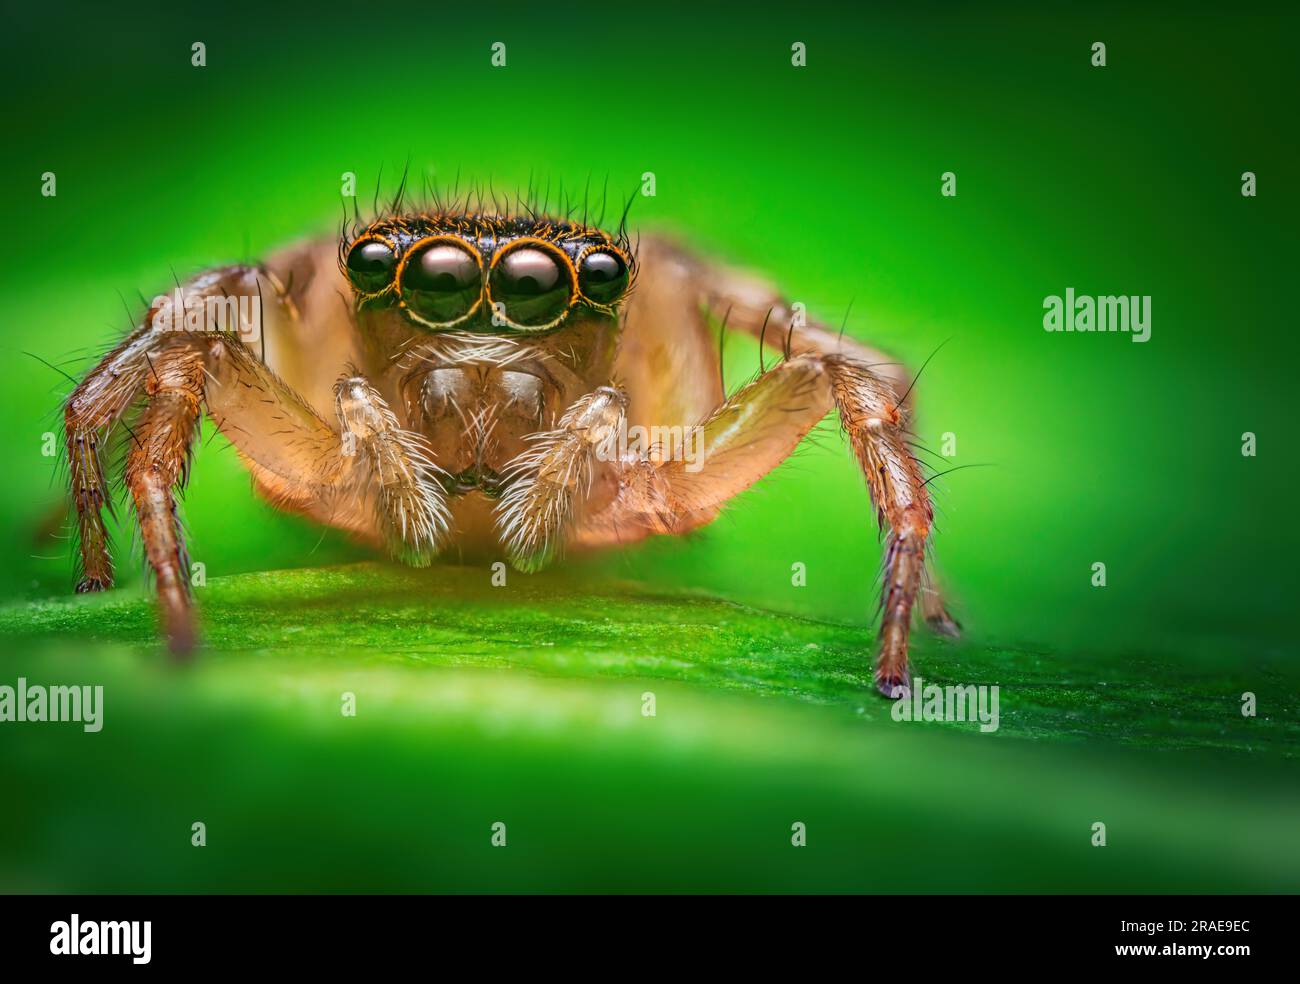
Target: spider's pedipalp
{"type": "Point", "coordinates": [548, 481]}
{"type": "Point", "coordinates": [411, 498]}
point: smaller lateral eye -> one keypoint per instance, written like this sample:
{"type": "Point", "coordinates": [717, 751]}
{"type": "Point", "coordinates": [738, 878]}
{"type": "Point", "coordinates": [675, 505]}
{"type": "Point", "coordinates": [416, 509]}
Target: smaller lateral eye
{"type": "Point", "coordinates": [603, 277]}
{"type": "Point", "coordinates": [371, 265]}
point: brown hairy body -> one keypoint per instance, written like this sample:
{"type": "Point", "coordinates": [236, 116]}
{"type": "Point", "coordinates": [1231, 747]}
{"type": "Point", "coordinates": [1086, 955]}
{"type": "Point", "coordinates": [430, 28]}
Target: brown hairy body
{"type": "Point", "coordinates": [462, 384]}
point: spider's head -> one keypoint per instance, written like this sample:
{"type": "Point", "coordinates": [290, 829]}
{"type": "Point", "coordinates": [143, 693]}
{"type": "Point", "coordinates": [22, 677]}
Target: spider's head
{"type": "Point", "coordinates": [485, 273]}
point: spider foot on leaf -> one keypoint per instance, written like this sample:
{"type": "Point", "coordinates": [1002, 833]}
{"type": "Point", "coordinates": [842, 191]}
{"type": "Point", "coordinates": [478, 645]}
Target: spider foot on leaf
{"type": "Point", "coordinates": [942, 623]}
{"type": "Point", "coordinates": [895, 686]}
{"type": "Point", "coordinates": [530, 560]}
{"type": "Point", "coordinates": [419, 524]}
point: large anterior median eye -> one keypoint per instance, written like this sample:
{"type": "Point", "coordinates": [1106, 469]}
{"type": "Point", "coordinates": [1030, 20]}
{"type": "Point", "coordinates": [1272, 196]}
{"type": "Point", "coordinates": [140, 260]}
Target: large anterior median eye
{"type": "Point", "coordinates": [534, 284]}
{"type": "Point", "coordinates": [441, 282]}
{"type": "Point", "coordinates": [371, 265]}
{"type": "Point", "coordinates": [602, 276]}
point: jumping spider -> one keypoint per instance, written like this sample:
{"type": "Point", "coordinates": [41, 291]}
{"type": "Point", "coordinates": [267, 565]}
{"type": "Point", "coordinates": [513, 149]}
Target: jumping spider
{"type": "Point", "coordinates": [487, 363]}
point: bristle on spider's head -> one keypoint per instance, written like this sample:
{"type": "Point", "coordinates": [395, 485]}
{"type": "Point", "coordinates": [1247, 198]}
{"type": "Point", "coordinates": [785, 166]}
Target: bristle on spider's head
{"type": "Point", "coordinates": [476, 264]}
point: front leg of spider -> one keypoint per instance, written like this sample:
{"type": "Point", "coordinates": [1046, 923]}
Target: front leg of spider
{"type": "Point", "coordinates": [756, 429]}
{"type": "Point", "coordinates": [875, 427]}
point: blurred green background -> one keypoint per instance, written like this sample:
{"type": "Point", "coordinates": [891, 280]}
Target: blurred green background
{"type": "Point", "coordinates": [1122, 179]}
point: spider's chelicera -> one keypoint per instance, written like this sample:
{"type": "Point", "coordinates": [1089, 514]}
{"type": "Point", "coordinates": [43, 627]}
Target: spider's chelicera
{"type": "Point", "coordinates": [473, 394]}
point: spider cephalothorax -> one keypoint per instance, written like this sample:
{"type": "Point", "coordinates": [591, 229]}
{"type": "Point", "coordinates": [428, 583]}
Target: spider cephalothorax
{"type": "Point", "coordinates": [490, 387]}
{"type": "Point", "coordinates": [485, 273]}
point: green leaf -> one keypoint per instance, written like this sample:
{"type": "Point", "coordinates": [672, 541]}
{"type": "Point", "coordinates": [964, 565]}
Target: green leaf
{"type": "Point", "coordinates": [524, 704]}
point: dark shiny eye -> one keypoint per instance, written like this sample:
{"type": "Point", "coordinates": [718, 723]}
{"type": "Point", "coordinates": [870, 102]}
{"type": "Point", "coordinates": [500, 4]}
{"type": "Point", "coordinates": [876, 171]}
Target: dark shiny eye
{"type": "Point", "coordinates": [534, 285]}
{"type": "Point", "coordinates": [371, 265]}
{"type": "Point", "coordinates": [441, 282]}
{"type": "Point", "coordinates": [602, 277]}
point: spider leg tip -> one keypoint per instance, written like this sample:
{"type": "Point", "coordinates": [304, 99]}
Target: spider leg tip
{"type": "Point", "coordinates": [92, 585]}
{"type": "Point", "coordinates": [895, 686]}
{"type": "Point", "coordinates": [944, 624]}
{"type": "Point", "coordinates": [181, 642]}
